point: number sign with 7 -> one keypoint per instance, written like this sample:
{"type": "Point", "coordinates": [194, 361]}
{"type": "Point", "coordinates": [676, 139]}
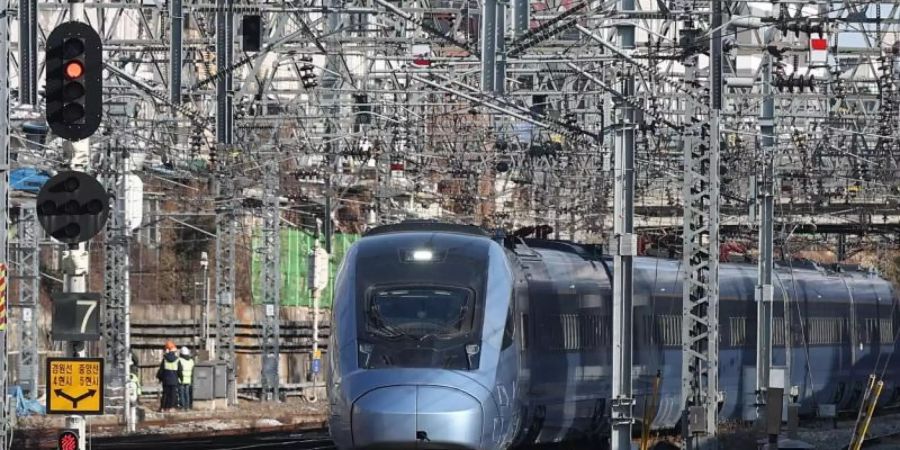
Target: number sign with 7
{"type": "Point", "coordinates": [76, 316]}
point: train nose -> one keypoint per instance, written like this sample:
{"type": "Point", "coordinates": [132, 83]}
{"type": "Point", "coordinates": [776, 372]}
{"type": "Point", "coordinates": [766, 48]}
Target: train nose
{"type": "Point", "coordinates": [417, 417]}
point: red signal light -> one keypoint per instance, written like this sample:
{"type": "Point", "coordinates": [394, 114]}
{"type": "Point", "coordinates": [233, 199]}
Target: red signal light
{"type": "Point", "coordinates": [73, 70]}
{"type": "Point", "coordinates": [68, 441]}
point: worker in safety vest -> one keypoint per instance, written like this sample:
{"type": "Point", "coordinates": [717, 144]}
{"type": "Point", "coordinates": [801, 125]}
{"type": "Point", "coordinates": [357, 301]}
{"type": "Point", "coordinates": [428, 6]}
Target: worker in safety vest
{"type": "Point", "coordinates": [186, 387]}
{"type": "Point", "coordinates": [169, 374]}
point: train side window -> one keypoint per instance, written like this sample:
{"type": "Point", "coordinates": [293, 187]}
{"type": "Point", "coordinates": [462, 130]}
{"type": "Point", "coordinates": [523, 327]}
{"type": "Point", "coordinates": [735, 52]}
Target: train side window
{"type": "Point", "coordinates": [670, 326]}
{"type": "Point", "coordinates": [778, 331]}
{"type": "Point", "coordinates": [738, 326]}
{"type": "Point", "coordinates": [886, 329]}
{"type": "Point", "coordinates": [508, 330]}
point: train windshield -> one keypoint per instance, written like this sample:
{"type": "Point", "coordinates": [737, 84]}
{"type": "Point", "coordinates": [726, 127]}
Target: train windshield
{"type": "Point", "coordinates": [420, 312]}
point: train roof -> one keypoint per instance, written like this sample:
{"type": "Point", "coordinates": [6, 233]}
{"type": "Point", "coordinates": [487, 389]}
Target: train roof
{"type": "Point", "coordinates": [425, 226]}
{"type": "Point", "coordinates": [586, 251]}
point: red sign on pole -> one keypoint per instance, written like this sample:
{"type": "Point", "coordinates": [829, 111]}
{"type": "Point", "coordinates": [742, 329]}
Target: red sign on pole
{"type": "Point", "coordinates": [818, 51]}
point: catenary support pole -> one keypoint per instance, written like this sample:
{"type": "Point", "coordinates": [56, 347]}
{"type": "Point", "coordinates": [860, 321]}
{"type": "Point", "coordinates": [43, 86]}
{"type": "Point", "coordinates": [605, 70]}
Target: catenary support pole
{"type": "Point", "coordinates": [271, 277]}
{"type": "Point", "coordinates": [226, 207]}
{"type": "Point", "coordinates": [117, 285]}
{"type": "Point", "coordinates": [700, 295]}
{"type": "Point", "coordinates": [766, 200]}
{"type": "Point", "coordinates": [623, 247]}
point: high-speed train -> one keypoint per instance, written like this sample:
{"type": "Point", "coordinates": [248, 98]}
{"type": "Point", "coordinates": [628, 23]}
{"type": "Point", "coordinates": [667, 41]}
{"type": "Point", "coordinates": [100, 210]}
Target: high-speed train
{"type": "Point", "coordinates": [446, 337]}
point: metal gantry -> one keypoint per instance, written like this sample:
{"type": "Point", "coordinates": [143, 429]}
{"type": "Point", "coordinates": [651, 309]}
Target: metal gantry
{"type": "Point", "coordinates": [27, 251]}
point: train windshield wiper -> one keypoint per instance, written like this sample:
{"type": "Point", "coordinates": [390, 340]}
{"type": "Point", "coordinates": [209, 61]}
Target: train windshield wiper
{"type": "Point", "coordinates": [381, 327]}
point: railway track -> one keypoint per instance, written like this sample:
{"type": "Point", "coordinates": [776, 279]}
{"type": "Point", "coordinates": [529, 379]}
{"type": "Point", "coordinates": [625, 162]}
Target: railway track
{"type": "Point", "coordinates": [889, 441]}
{"type": "Point", "coordinates": [307, 440]}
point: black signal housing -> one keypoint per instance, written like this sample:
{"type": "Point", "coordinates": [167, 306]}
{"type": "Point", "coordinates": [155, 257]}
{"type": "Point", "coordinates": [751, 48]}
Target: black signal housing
{"type": "Point", "coordinates": [74, 80]}
{"type": "Point", "coordinates": [72, 207]}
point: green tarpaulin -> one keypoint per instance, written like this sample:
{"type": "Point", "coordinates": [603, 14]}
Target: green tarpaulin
{"type": "Point", "coordinates": [296, 246]}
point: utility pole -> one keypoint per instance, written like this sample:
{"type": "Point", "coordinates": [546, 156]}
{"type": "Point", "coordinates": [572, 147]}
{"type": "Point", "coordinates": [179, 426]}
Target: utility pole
{"type": "Point", "coordinates": [76, 260]}
{"type": "Point", "coordinates": [76, 267]}
{"type": "Point", "coordinates": [226, 228]}
{"type": "Point", "coordinates": [623, 247]}
{"type": "Point", "coordinates": [700, 296]}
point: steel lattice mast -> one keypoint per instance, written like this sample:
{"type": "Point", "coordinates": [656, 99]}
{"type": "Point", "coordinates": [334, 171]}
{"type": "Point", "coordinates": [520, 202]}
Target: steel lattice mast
{"type": "Point", "coordinates": [271, 275]}
{"type": "Point", "coordinates": [700, 238]}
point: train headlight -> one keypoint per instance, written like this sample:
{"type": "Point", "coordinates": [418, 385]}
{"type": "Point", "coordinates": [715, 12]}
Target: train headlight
{"type": "Point", "coordinates": [422, 255]}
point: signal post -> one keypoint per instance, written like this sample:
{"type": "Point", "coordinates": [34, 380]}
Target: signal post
{"type": "Point", "coordinates": [72, 208]}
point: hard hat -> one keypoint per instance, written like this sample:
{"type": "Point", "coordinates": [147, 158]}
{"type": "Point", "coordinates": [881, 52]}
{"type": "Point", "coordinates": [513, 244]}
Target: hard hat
{"type": "Point", "coordinates": [185, 351]}
{"type": "Point", "coordinates": [170, 346]}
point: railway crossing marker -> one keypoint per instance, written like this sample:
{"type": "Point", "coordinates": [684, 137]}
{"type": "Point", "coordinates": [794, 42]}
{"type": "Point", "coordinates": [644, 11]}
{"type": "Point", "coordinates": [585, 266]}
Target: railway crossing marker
{"type": "Point", "coordinates": [75, 385]}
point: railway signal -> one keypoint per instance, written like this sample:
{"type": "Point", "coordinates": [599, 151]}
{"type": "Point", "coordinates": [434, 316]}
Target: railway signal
{"type": "Point", "coordinates": [74, 80]}
{"type": "Point", "coordinates": [72, 207]}
{"type": "Point", "coordinates": [67, 440]}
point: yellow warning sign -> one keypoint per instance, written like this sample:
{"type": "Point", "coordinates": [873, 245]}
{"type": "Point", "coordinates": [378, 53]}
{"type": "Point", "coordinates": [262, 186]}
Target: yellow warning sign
{"type": "Point", "coordinates": [74, 385]}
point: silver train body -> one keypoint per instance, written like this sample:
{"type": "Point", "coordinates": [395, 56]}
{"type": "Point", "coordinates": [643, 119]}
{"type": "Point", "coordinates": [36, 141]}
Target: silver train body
{"type": "Point", "coordinates": [443, 338]}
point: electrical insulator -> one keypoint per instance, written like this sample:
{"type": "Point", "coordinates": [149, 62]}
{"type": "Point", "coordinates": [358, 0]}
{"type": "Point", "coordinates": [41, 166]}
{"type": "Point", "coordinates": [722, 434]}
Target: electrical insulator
{"type": "Point", "coordinates": [792, 82]}
{"type": "Point", "coordinates": [307, 76]}
{"type": "Point", "coordinates": [571, 121]}
{"type": "Point", "coordinates": [798, 28]}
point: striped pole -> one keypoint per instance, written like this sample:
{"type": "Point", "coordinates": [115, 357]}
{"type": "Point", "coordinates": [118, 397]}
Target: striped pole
{"type": "Point", "coordinates": [2, 297]}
